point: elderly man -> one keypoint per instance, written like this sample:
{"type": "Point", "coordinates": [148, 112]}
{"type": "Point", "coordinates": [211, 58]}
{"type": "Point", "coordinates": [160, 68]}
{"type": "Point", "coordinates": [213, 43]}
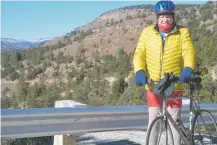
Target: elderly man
{"type": "Point", "coordinates": [164, 48]}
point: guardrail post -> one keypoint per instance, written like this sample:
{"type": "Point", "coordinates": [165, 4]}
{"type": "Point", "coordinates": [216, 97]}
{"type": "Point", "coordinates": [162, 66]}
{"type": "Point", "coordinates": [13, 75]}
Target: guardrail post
{"type": "Point", "coordinates": [67, 139]}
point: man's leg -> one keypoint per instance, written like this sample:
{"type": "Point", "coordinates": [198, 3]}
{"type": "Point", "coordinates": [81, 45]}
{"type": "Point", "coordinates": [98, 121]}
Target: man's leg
{"type": "Point", "coordinates": [153, 113]}
{"type": "Point", "coordinates": [154, 103]}
{"type": "Point", "coordinates": [174, 108]}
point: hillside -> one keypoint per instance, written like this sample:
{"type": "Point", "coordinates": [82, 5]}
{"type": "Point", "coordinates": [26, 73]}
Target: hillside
{"type": "Point", "coordinates": [93, 63]}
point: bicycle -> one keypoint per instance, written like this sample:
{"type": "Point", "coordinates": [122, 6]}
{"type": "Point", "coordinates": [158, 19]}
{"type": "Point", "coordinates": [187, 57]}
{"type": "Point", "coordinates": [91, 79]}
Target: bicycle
{"type": "Point", "coordinates": [199, 132]}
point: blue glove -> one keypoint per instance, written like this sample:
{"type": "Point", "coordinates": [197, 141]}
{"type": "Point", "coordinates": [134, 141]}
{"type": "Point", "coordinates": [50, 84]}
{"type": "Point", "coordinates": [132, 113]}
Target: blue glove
{"type": "Point", "coordinates": [140, 78]}
{"type": "Point", "coordinates": [185, 75]}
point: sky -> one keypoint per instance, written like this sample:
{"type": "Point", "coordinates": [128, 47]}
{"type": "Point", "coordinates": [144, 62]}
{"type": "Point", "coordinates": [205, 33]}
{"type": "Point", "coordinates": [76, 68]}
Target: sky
{"type": "Point", "coordinates": [31, 20]}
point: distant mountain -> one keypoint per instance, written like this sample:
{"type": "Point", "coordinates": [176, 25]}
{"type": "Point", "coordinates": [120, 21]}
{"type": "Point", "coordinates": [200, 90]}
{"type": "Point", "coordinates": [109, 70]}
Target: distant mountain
{"type": "Point", "coordinates": [14, 44]}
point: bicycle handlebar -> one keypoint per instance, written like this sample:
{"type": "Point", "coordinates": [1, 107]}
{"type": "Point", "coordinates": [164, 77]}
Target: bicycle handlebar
{"type": "Point", "coordinates": [193, 79]}
{"type": "Point", "coordinates": [168, 82]}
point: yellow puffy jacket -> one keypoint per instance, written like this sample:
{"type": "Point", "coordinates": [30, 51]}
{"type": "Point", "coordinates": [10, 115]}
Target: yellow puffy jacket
{"type": "Point", "coordinates": [156, 58]}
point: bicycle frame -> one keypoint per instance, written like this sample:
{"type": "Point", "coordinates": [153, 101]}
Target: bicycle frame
{"type": "Point", "coordinates": [168, 117]}
{"type": "Point", "coordinates": [186, 133]}
{"type": "Point", "coordinates": [182, 132]}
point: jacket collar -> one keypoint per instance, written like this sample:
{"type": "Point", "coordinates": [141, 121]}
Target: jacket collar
{"type": "Point", "coordinates": [175, 29]}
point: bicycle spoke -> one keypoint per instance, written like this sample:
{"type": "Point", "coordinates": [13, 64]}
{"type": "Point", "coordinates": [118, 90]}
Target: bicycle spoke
{"type": "Point", "coordinates": [205, 129]}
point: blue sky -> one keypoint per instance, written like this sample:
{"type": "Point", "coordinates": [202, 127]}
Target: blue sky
{"type": "Point", "coordinates": [38, 19]}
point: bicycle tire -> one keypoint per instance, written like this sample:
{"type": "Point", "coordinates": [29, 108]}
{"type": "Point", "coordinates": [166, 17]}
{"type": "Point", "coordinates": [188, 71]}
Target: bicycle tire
{"type": "Point", "coordinates": [204, 128]}
{"type": "Point", "coordinates": [163, 124]}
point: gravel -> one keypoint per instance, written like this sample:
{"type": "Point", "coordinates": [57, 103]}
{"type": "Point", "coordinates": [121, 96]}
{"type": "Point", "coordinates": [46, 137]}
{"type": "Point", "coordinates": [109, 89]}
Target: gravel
{"type": "Point", "coordinates": [132, 137]}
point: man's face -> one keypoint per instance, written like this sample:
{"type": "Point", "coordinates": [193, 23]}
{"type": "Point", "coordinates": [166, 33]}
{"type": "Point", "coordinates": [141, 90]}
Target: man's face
{"type": "Point", "coordinates": [165, 19]}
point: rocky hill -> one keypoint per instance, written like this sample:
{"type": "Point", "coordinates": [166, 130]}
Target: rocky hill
{"type": "Point", "coordinates": [98, 55]}
{"type": "Point", "coordinates": [121, 28]}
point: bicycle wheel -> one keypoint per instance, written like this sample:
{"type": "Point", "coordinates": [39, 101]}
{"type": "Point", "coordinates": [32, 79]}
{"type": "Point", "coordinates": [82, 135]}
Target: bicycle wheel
{"type": "Point", "coordinates": [159, 133]}
{"type": "Point", "coordinates": [204, 129]}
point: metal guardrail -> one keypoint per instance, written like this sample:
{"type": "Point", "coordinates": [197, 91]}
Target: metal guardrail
{"type": "Point", "coordinates": [36, 122]}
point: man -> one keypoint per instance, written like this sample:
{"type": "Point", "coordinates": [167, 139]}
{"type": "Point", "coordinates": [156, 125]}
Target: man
{"type": "Point", "coordinates": [163, 48]}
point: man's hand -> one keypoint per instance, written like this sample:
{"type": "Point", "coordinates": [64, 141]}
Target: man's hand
{"type": "Point", "coordinates": [140, 78]}
{"type": "Point", "coordinates": [185, 75]}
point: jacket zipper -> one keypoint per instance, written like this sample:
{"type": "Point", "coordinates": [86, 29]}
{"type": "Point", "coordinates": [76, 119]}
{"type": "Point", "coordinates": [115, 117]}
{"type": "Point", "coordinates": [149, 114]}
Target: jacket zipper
{"type": "Point", "coordinates": [162, 50]}
{"type": "Point", "coordinates": [162, 54]}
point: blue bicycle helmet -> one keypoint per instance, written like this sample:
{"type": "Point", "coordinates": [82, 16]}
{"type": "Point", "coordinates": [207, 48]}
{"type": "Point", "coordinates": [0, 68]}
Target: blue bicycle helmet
{"type": "Point", "coordinates": [164, 7]}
